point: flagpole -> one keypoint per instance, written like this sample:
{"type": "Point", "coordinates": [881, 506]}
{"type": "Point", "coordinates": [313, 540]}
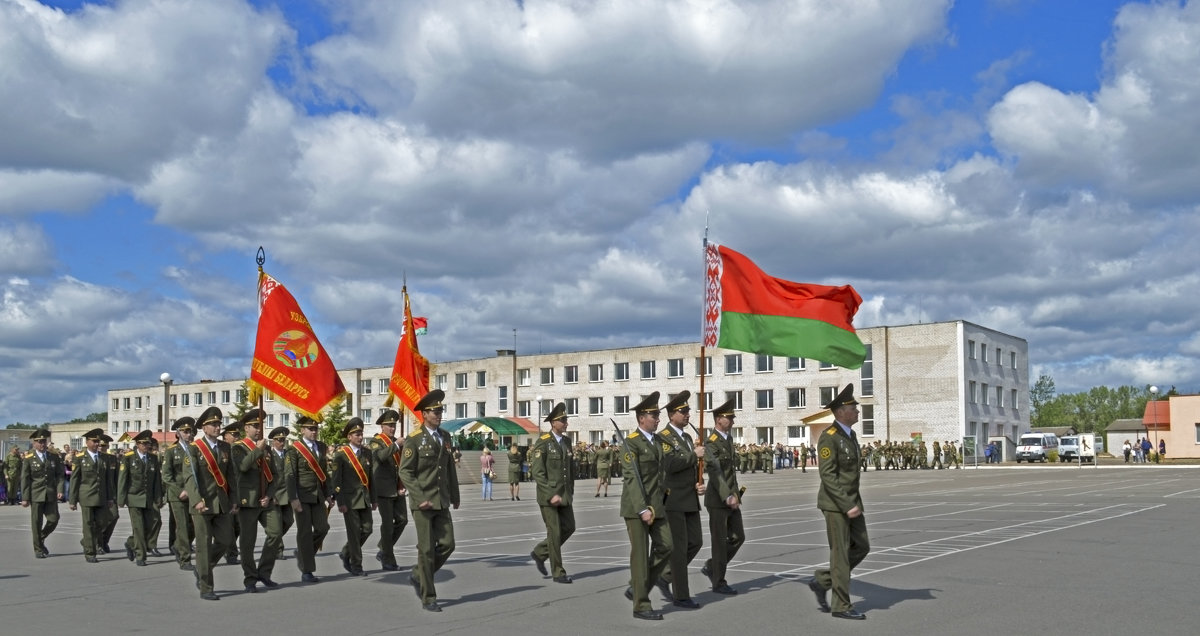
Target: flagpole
{"type": "Point", "coordinates": [703, 362]}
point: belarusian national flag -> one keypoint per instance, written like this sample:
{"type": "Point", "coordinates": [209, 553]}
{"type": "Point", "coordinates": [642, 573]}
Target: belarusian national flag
{"type": "Point", "coordinates": [288, 359]}
{"type": "Point", "coordinates": [747, 310]}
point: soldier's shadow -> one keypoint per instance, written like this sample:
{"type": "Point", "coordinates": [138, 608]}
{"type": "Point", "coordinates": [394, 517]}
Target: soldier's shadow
{"type": "Point", "coordinates": [880, 597]}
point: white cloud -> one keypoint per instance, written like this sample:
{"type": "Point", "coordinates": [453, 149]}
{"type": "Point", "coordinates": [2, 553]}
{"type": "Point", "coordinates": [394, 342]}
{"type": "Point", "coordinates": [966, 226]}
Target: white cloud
{"type": "Point", "coordinates": [25, 251]}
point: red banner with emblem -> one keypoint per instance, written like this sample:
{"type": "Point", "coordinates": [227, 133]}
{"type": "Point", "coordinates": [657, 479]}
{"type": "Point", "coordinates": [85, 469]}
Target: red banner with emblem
{"type": "Point", "coordinates": [410, 372]}
{"type": "Point", "coordinates": [288, 359]}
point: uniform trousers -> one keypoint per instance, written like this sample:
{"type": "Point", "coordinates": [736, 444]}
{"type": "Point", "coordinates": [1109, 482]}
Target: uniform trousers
{"type": "Point", "coordinates": [184, 532]}
{"type": "Point", "coordinates": [358, 529]}
{"type": "Point", "coordinates": [249, 519]}
{"type": "Point", "coordinates": [687, 537]}
{"type": "Point", "coordinates": [141, 525]}
{"type": "Point", "coordinates": [649, 552]}
{"type": "Point", "coordinates": [728, 535]}
{"type": "Point", "coordinates": [312, 524]}
{"type": "Point", "coordinates": [214, 535]}
{"type": "Point", "coordinates": [95, 520]}
{"type": "Point", "coordinates": [393, 517]}
{"type": "Point", "coordinates": [435, 544]}
{"type": "Point", "coordinates": [43, 519]}
{"type": "Point", "coordinates": [560, 525]}
{"type": "Point", "coordinates": [848, 546]}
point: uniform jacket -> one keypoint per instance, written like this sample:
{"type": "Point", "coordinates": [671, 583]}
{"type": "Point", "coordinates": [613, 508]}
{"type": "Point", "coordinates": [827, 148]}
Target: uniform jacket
{"type": "Point", "coordinates": [12, 469]}
{"type": "Point", "coordinates": [721, 467]}
{"type": "Point", "coordinates": [427, 470]}
{"type": "Point", "coordinates": [647, 454]}
{"type": "Point", "coordinates": [603, 458]}
{"type": "Point", "coordinates": [252, 484]}
{"type": "Point", "coordinates": [39, 479]}
{"type": "Point", "coordinates": [219, 500]}
{"type": "Point", "coordinates": [93, 483]}
{"type": "Point", "coordinates": [139, 483]}
{"type": "Point", "coordinates": [302, 481]}
{"type": "Point", "coordinates": [514, 463]}
{"type": "Point", "coordinates": [679, 470]}
{"type": "Point", "coordinates": [174, 466]}
{"type": "Point", "coordinates": [385, 480]}
{"type": "Point", "coordinates": [838, 458]}
{"type": "Point", "coordinates": [348, 487]}
{"type": "Point", "coordinates": [278, 488]}
{"type": "Point", "coordinates": [552, 470]}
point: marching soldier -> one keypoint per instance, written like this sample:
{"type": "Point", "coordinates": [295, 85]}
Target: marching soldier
{"type": "Point", "coordinates": [41, 473]}
{"type": "Point", "coordinates": [722, 500]}
{"type": "Point", "coordinates": [140, 488]}
{"type": "Point", "coordinates": [840, 502]}
{"type": "Point", "coordinates": [175, 465]}
{"type": "Point", "coordinates": [256, 480]}
{"type": "Point", "coordinates": [308, 488]}
{"type": "Point", "coordinates": [12, 474]}
{"type": "Point", "coordinates": [279, 498]}
{"type": "Point", "coordinates": [937, 455]}
{"type": "Point", "coordinates": [603, 467]}
{"type": "Point", "coordinates": [550, 465]}
{"type": "Point", "coordinates": [642, 508]}
{"type": "Point", "coordinates": [427, 471]}
{"type": "Point", "coordinates": [94, 487]}
{"type": "Point", "coordinates": [352, 469]}
{"type": "Point", "coordinates": [210, 485]}
{"type": "Point", "coordinates": [389, 492]}
{"type": "Point", "coordinates": [114, 465]}
{"type": "Point", "coordinates": [680, 462]}
{"type": "Point", "coordinates": [232, 434]}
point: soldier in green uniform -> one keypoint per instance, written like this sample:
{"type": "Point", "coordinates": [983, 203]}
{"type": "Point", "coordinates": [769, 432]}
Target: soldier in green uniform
{"type": "Point", "coordinates": [93, 486]}
{"type": "Point", "coordinates": [642, 500]}
{"type": "Point", "coordinates": [12, 474]}
{"type": "Point", "coordinates": [114, 515]}
{"type": "Point", "coordinates": [308, 489]}
{"type": "Point", "coordinates": [279, 498]}
{"type": "Point", "coordinates": [552, 471]}
{"type": "Point", "coordinates": [175, 465]}
{"type": "Point", "coordinates": [255, 484]}
{"type": "Point", "coordinates": [722, 499]}
{"type": "Point", "coordinates": [232, 434]}
{"type": "Point", "coordinates": [427, 470]}
{"type": "Point", "coordinates": [211, 484]}
{"type": "Point", "coordinates": [603, 467]}
{"type": "Point", "coordinates": [389, 492]}
{"type": "Point", "coordinates": [952, 457]}
{"type": "Point", "coordinates": [41, 473]}
{"type": "Point", "coordinates": [139, 488]}
{"type": "Point", "coordinates": [514, 472]}
{"type": "Point", "coordinates": [680, 465]}
{"type": "Point", "coordinates": [352, 470]}
{"type": "Point", "coordinates": [839, 500]}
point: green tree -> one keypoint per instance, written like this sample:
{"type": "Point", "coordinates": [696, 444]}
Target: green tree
{"type": "Point", "coordinates": [242, 404]}
{"type": "Point", "coordinates": [91, 417]}
{"type": "Point", "coordinates": [1040, 394]}
{"type": "Point", "coordinates": [330, 431]}
{"type": "Point", "coordinates": [21, 425]}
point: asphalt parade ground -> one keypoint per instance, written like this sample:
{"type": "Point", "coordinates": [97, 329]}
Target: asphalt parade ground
{"type": "Point", "coordinates": [1005, 550]}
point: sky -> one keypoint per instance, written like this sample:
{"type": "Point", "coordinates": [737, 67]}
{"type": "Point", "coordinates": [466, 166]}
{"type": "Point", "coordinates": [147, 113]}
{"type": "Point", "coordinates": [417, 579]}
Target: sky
{"type": "Point", "coordinates": [552, 167]}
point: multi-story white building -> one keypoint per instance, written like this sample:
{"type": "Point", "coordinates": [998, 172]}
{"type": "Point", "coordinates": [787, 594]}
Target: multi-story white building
{"type": "Point", "coordinates": [940, 381]}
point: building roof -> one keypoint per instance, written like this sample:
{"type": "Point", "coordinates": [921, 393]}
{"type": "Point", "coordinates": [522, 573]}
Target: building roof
{"type": "Point", "coordinates": [1157, 415]}
{"type": "Point", "coordinates": [1131, 425]}
{"type": "Point", "coordinates": [1058, 431]}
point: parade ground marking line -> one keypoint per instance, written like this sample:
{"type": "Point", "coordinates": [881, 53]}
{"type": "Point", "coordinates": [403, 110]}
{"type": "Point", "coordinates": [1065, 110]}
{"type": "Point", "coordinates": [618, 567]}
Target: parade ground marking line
{"type": "Point", "coordinates": [935, 548]}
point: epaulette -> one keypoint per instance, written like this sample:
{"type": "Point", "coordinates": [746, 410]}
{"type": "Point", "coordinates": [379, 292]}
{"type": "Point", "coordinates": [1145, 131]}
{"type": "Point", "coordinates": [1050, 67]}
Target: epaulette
{"type": "Point", "coordinates": [415, 432]}
{"type": "Point", "coordinates": [631, 435]}
{"type": "Point", "coordinates": [545, 436]}
{"type": "Point", "coordinates": [29, 454]}
{"type": "Point", "coordinates": [831, 430]}
{"type": "Point", "coordinates": [129, 453]}
{"type": "Point", "coordinates": [712, 438]}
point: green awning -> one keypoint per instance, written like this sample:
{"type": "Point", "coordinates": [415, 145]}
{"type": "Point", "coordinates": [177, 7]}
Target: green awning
{"type": "Point", "coordinates": [499, 425]}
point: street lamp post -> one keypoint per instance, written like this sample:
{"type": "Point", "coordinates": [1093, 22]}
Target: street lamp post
{"type": "Point", "coordinates": [1154, 417]}
{"type": "Point", "coordinates": [165, 378]}
{"type": "Point", "coordinates": [539, 415]}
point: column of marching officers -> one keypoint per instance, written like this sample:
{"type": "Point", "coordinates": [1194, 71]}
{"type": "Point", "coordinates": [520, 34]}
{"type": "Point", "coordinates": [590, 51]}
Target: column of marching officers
{"type": "Point", "coordinates": [223, 484]}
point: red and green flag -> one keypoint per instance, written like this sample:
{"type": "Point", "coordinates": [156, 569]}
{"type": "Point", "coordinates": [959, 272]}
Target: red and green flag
{"type": "Point", "coordinates": [747, 310]}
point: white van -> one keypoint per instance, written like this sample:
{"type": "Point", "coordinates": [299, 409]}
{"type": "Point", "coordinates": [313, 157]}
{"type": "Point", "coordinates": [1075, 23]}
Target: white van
{"type": "Point", "coordinates": [1034, 446]}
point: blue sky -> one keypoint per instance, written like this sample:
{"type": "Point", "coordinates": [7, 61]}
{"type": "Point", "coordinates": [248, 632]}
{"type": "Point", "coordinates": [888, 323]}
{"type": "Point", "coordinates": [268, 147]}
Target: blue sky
{"type": "Point", "coordinates": [1025, 165]}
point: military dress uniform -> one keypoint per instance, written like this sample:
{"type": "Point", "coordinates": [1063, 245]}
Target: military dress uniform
{"type": "Point", "coordinates": [255, 480]}
{"type": "Point", "coordinates": [385, 482]}
{"type": "Point", "coordinates": [352, 470]}
{"type": "Point", "coordinates": [114, 467]}
{"type": "Point", "coordinates": [41, 474]}
{"type": "Point", "coordinates": [175, 464]}
{"type": "Point", "coordinates": [837, 495]}
{"type": "Point", "coordinates": [94, 489]}
{"type": "Point", "coordinates": [140, 489]}
{"type": "Point", "coordinates": [650, 544]}
{"type": "Point", "coordinates": [552, 471]}
{"type": "Point", "coordinates": [680, 467]}
{"type": "Point", "coordinates": [308, 484]}
{"type": "Point", "coordinates": [724, 523]}
{"type": "Point", "coordinates": [279, 499]}
{"type": "Point", "coordinates": [212, 481]}
{"type": "Point", "coordinates": [12, 474]}
{"type": "Point", "coordinates": [427, 470]}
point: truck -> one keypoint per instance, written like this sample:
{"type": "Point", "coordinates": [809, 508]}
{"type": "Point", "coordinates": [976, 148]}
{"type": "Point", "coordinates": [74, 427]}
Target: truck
{"type": "Point", "coordinates": [1081, 448]}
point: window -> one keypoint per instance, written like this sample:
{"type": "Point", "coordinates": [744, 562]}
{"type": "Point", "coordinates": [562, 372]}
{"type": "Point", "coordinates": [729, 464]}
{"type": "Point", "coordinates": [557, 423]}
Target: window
{"type": "Point", "coordinates": [365, 414]}
{"type": "Point", "coordinates": [983, 352]}
{"type": "Point", "coordinates": [821, 365]}
{"type": "Point", "coordinates": [198, 399]}
{"type": "Point", "coordinates": [985, 394]}
{"type": "Point", "coordinates": [867, 418]}
{"type": "Point", "coordinates": [706, 368]}
{"type": "Point", "coordinates": [460, 381]}
{"type": "Point", "coordinates": [270, 421]}
{"type": "Point", "coordinates": [383, 386]}
{"type": "Point", "coordinates": [481, 409]}
{"type": "Point", "coordinates": [649, 370]}
{"type": "Point", "coordinates": [733, 364]}
{"type": "Point", "coordinates": [675, 368]}
{"type": "Point", "coordinates": [365, 386]}
{"type": "Point", "coordinates": [460, 409]}
{"type": "Point", "coordinates": [547, 375]}
{"type": "Point", "coordinates": [212, 397]}
{"type": "Point", "coordinates": [570, 374]}
{"type": "Point", "coordinates": [544, 408]}
{"type": "Point", "coordinates": [137, 402]}
{"type": "Point", "coordinates": [480, 379]}
{"type": "Point", "coordinates": [796, 399]}
{"type": "Point", "coordinates": [764, 363]}
{"type": "Point", "coordinates": [764, 399]}
{"type": "Point", "coordinates": [572, 406]}
{"type": "Point", "coordinates": [117, 404]}
{"type": "Point", "coordinates": [795, 364]}
{"type": "Point", "coordinates": [706, 404]}
{"type": "Point", "coordinates": [595, 406]}
{"type": "Point", "coordinates": [267, 395]}
{"type": "Point", "coordinates": [795, 432]}
{"type": "Point", "coordinates": [241, 396]}
{"type": "Point", "coordinates": [827, 394]}
{"type": "Point", "coordinates": [621, 404]}
{"type": "Point", "coordinates": [1012, 359]}
{"type": "Point", "coordinates": [866, 374]}
{"type": "Point", "coordinates": [971, 349]}
{"type": "Point", "coordinates": [502, 396]}
{"type": "Point", "coordinates": [1012, 400]}
{"type": "Point", "coordinates": [595, 373]}
{"type": "Point", "coordinates": [999, 360]}
{"type": "Point", "coordinates": [523, 408]}
{"type": "Point", "coordinates": [971, 395]}
{"type": "Point", "coordinates": [736, 396]}
{"type": "Point", "coordinates": [127, 400]}
{"type": "Point", "coordinates": [621, 371]}
{"type": "Point", "coordinates": [439, 381]}
{"type": "Point", "coordinates": [185, 398]}
{"type": "Point", "coordinates": [283, 419]}
{"type": "Point", "coordinates": [224, 397]}
{"type": "Point", "coordinates": [173, 399]}
{"type": "Point", "coordinates": [1000, 397]}
{"type": "Point", "coordinates": [523, 377]}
